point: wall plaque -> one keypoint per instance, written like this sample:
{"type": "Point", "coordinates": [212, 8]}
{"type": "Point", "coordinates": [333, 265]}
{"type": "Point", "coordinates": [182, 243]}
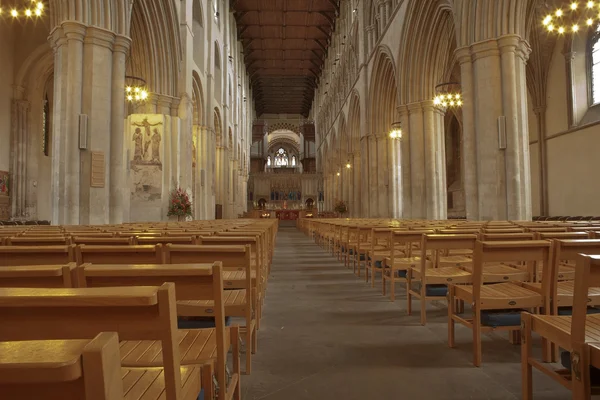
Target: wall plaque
{"type": "Point", "coordinates": [98, 178]}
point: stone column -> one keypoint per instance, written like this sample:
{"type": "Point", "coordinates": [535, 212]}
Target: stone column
{"type": "Point", "coordinates": [364, 177]}
{"type": "Point", "coordinates": [373, 182]}
{"type": "Point", "coordinates": [469, 150]}
{"type": "Point", "coordinates": [383, 175]}
{"type": "Point", "coordinates": [502, 178]}
{"type": "Point", "coordinates": [18, 183]}
{"type": "Point", "coordinates": [405, 164]}
{"type": "Point", "coordinates": [118, 187]}
{"type": "Point", "coordinates": [435, 170]}
{"type": "Point", "coordinates": [356, 185]}
{"type": "Point", "coordinates": [416, 145]}
{"type": "Point", "coordinates": [571, 98]}
{"type": "Point", "coordinates": [72, 78]}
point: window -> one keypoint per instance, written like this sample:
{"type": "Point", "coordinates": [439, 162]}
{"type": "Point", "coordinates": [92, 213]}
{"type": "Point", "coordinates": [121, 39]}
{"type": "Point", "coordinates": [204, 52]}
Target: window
{"type": "Point", "coordinates": [46, 127]}
{"type": "Point", "coordinates": [594, 60]}
{"type": "Point", "coordinates": [268, 161]}
{"type": "Point", "coordinates": [281, 158]}
{"type": "Point", "coordinates": [293, 161]}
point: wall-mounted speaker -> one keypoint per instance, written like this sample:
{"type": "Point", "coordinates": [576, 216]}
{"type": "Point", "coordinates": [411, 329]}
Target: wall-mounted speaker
{"type": "Point", "coordinates": [83, 131]}
{"type": "Point", "coordinates": [502, 133]}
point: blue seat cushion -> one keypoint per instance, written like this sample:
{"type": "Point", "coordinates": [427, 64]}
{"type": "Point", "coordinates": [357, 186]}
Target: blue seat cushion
{"type": "Point", "coordinates": [569, 311]}
{"type": "Point", "coordinates": [379, 264]}
{"type": "Point", "coordinates": [199, 322]}
{"type": "Point", "coordinates": [201, 394]}
{"type": "Point", "coordinates": [362, 257]}
{"type": "Point", "coordinates": [565, 360]}
{"type": "Point", "coordinates": [497, 318]}
{"type": "Point", "coordinates": [432, 290]}
{"type": "Point", "coordinates": [399, 274]}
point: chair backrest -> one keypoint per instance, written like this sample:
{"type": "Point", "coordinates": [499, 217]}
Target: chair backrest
{"type": "Point", "coordinates": [62, 369]}
{"type": "Point", "coordinates": [192, 282]}
{"type": "Point", "coordinates": [233, 257]}
{"type": "Point", "coordinates": [136, 313]}
{"type": "Point", "coordinates": [103, 241]}
{"type": "Point", "coordinates": [567, 250]}
{"type": "Point", "coordinates": [151, 254]}
{"type": "Point", "coordinates": [587, 275]}
{"type": "Point", "coordinates": [145, 240]}
{"type": "Point", "coordinates": [531, 252]}
{"type": "Point", "coordinates": [437, 242]}
{"type": "Point", "coordinates": [36, 255]}
{"type": "Point", "coordinates": [562, 235]}
{"type": "Point", "coordinates": [38, 276]}
{"type": "Point", "coordinates": [490, 237]}
{"type": "Point", "coordinates": [37, 241]}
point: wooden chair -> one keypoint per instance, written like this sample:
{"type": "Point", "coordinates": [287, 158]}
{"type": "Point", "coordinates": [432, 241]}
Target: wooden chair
{"type": "Point", "coordinates": [62, 369]}
{"type": "Point", "coordinates": [239, 301]}
{"type": "Point", "coordinates": [40, 276]}
{"type": "Point", "coordinates": [153, 240]}
{"type": "Point", "coordinates": [103, 241]}
{"type": "Point", "coordinates": [397, 265]}
{"type": "Point", "coordinates": [36, 255]}
{"type": "Point", "coordinates": [576, 334]}
{"type": "Point", "coordinates": [498, 302]}
{"type": "Point", "coordinates": [433, 282]}
{"type": "Point", "coordinates": [381, 247]}
{"type": "Point", "coordinates": [202, 284]}
{"type": "Point", "coordinates": [119, 254]}
{"type": "Point", "coordinates": [135, 313]}
{"type": "Point", "coordinates": [37, 241]}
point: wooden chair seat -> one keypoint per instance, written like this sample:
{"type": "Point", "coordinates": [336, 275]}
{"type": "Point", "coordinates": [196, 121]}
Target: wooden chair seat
{"type": "Point", "coordinates": [493, 273]}
{"type": "Point", "coordinates": [407, 262]}
{"type": "Point", "coordinates": [454, 261]}
{"type": "Point", "coordinates": [501, 296]}
{"type": "Point", "coordinates": [196, 347]}
{"type": "Point", "coordinates": [149, 383]}
{"type": "Point", "coordinates": [235, 302]}
{"type": "Point", "coordinates": [557, 329]}
{"type": "Point", "coordinates": [565, 290]}
{"type": "Point", "coordinates": [444, 275]}
{"type": "Point", "coordinates": [237, 279]}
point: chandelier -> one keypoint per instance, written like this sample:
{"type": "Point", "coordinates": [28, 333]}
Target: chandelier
{"type": "Point", "coordinates": [447, 95]}
{"type": "Point", "coordinates": [35, 9]}
{"type": "Point", "coordinates": [572, 18]}
{"type": "Point", "coordinates": [135, 89]}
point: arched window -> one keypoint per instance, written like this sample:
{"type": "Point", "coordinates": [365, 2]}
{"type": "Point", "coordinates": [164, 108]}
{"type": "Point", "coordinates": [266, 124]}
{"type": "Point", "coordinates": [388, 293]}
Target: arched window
{"type": "Point", "coordinates": [268, 161]}
{"type": "Point", "coordinates": [293, 161]}
{"type": "Point", "coordinates": [594, 61]}
{"type": "Point", "coordinates": [281, 158]}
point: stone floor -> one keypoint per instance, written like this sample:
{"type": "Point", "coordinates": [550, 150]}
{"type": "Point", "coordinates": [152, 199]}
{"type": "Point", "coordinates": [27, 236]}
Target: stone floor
{"type": "Point", "coordinates": [327, 335]}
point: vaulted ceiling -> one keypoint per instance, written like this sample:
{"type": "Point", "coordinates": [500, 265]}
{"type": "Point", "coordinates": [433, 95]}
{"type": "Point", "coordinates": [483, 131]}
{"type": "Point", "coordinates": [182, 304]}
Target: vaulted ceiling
{"type": "Point", "coordinates": [285, 44]}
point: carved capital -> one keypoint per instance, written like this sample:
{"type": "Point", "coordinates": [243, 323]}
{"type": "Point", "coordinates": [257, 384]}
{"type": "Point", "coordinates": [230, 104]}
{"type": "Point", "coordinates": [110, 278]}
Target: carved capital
{"type": "Point", "coordinates": [74, 30]}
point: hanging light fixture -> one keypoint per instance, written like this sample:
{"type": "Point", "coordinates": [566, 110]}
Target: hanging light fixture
{"type": "Point", "coordinates": [135, 89]}
{"type": "Point", "coordinates": [448, 95]}
{"type": "Point", "coordinates": [33, 9]}
{"type": "Point", "coordinates": [396, 131]}
{"type": "Point", "coordinates": [348, 165]}
{"type": "Point", "coordinates": [573, 17]}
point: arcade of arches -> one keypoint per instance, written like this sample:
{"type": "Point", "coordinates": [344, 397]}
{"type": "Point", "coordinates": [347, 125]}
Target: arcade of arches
{"type": "Point", "coordinates": [258, 104]}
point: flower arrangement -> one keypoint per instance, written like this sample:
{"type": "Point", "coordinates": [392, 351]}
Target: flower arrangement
{"type": "Point", "coordinates": [341, 207]}
{"type": "Point", "coordinates": [180, 204]}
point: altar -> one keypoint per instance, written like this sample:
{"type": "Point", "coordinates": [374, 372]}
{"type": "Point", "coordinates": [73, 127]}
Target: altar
{"type": "Point", "coordinates": [287, 215]}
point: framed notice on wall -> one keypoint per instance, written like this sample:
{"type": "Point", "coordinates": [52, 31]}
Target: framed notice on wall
{"type": "Point", "coordinates": [98, 176]}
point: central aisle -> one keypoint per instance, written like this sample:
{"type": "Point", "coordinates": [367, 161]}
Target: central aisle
{"type": "Point", "coordinates": [327, 335]}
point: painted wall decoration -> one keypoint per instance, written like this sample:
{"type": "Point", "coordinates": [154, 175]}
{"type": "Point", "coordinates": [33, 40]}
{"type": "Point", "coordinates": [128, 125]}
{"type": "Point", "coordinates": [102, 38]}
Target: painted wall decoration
{"type": "Point", "coordinates": [3, 183]}
{"type": "Point", "coordinates": [146, 141]}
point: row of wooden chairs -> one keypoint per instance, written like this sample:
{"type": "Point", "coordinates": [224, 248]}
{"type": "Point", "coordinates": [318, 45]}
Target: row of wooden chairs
{"type": "Point", "coordinates": [144, 268]}
{"type": "Point", "coordinates": [507, 271]}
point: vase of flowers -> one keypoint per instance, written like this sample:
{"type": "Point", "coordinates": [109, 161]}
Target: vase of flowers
{"type": "Point", "coordinates": [341, 207]}
{"type": "Point", "coordinates": [180, 205]}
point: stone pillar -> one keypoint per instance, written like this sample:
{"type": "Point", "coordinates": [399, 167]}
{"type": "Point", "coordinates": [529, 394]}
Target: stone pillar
{"type": "Point", "coordinates": [18, 183]}
{"type": "Point", "coordinates": [434, 170]}
{"type": "Point", "coordinates": [364, 177]}
{"type": "Point", "coordinates": [96, 103]}
{"type": "Point", "coordinates": [118, 186]}
{"type": "Point", "coordinates": [356, 185]}
{"type": "Point", "coordinates": [405, 164]}
{"type": "Point", "coordinates": [469, 150]}
{"type": "Point", "coordinates": [72, 78]}
{"type": "Point", "coordinates": [571, 98]}
{"type": "Point", "coordinates": [383, 175]}
{"type": "Point", "coordinates": [373, 182]}
{"type": "Point", "coordinates": [503, 174]}
{"type": "Point", "coordinates": [416, 146]}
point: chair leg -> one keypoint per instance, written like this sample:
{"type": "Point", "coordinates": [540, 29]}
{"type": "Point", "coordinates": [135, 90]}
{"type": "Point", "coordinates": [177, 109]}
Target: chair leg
{"type": "Point", "coordinates": [451, 311]}
{"type": "Point", "coordinates": [526, 372]}
{"type": "Point", "coordinates": [248, 348]}
{"type": "Point", "coordinates": [423, 303]}
{"type": "Point", "coordinates": [581, 389]}
{"type": "Point", "coordinates": [235, 350]}
{"type": "Point", "coordinates": [408, 295]}
{"type": "Point", "coordinates": [476, 336]}
{"type": "Point", "coordinates": [254, 341]}
{"type": "Point", "coordinates": [373, 275]}
{"type": "Point", "coordinates": [207, 372]}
